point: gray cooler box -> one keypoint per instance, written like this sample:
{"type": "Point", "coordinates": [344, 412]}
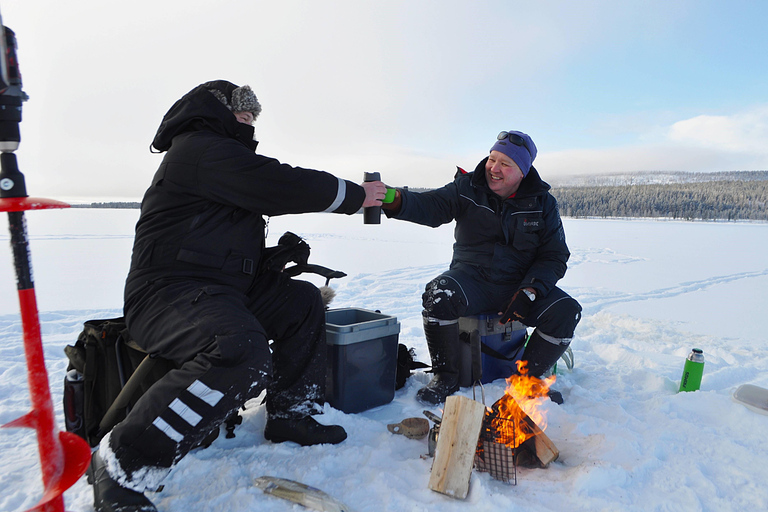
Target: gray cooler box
{"type": "Point", "coordinates": [362, 358]}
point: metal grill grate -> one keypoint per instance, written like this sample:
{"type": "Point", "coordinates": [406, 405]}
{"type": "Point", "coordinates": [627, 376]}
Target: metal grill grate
{"type": "Point", "coordinates": [494, 457]}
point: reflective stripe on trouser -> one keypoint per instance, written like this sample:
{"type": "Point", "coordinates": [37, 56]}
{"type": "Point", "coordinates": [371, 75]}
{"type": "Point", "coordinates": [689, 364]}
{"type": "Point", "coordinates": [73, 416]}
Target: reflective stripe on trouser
{"type": "Point", "coordinates": [209, 396]}
{"type": "Point", "coordinates": [180, 410]}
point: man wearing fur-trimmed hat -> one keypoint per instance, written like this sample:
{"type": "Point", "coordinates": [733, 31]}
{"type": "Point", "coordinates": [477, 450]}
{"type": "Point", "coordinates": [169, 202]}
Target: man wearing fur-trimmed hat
{"type": "Point", "coordinates": [197, 294]}
{"type": "Point", "coordinates": [510, 251]}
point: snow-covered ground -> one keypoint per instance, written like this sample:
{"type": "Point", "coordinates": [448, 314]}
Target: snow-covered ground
{"type": "Point", "coordinates": [651, 291]}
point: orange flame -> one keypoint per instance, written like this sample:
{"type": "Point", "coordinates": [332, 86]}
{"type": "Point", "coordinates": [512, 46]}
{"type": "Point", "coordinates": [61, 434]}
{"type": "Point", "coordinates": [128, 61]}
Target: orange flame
{"type": "Point", "coordinates": [524, 396]}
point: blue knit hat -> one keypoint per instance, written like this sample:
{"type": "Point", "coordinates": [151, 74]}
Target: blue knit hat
{"type": "Point", "coordinates": [519, 147]}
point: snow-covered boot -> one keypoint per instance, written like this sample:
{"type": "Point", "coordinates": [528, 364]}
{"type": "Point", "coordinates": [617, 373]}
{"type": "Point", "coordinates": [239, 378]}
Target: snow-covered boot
{"type": "Point", "coordinates": [542, 352]}
{"type": "Point", "coordinates": [443, 343]}
{"type": "Point", "coordinates": [109, 496]}
{"type": "Point", "coordinates": [305, 431]}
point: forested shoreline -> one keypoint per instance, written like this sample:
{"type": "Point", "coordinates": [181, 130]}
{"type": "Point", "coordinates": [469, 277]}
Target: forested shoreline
{"type": "Point", "coordinates": [714, 200]}
{"type": "Point", "coordinates": [732, 196]}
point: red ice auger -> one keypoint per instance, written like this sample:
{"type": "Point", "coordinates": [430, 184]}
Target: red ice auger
{"type": "Point", "coordinates": [63, 456]}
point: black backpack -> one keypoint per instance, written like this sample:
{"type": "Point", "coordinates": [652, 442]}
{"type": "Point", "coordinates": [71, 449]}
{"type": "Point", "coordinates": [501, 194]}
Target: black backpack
{"type": "Point", "coordinates": [107, 374]}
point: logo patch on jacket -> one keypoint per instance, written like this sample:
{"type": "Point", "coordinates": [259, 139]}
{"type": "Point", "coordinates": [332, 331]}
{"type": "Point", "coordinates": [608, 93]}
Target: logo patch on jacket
{"type": "Point", "coordinates": [532, 223]}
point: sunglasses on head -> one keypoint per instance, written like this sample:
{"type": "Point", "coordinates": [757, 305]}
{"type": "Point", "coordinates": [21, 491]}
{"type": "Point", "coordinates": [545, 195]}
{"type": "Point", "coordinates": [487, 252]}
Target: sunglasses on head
{"type": "Point", "coordinates": [514, 139]}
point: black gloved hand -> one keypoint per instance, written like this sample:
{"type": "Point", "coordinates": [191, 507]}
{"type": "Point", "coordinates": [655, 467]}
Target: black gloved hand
{"type": "Point", "coordinates": [517, 309]}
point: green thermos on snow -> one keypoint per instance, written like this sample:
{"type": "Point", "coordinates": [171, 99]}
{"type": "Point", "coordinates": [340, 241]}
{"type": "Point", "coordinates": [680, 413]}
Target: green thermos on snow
{"type": "Point", "coordinates": [692, 371]}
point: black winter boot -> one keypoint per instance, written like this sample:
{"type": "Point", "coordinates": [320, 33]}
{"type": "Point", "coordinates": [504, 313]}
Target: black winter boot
{"type": "Point", "coordinates": [541, 354]}
{"type": "Point", "coordinates": [109, 496]}
{"type": "Point", "coordinates": [443, 343]}
{"type": "Point", "coordinates": [305, 431]}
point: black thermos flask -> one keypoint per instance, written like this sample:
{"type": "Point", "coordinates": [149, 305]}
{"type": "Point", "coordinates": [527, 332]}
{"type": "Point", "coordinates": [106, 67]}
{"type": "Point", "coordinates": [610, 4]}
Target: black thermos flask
{"type": "Point", "coordinates": [372, 214]}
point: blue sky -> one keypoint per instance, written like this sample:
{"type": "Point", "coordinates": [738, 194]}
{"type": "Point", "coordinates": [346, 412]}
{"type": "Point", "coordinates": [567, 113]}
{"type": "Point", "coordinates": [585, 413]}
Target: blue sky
{"type": "Point", "coordinates": [409, 88]}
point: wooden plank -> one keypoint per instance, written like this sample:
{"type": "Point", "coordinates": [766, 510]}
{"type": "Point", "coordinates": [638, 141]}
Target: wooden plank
{"type": "Point", "coordinates": [456, 446]}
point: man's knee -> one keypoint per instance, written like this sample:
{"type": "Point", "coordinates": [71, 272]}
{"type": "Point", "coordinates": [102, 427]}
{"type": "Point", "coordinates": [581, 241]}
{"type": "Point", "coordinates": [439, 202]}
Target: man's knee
{"type": "Point", "coordinates": [444, 299]}
{"type": "Point", "coordinates": [561, 318]}
{"type": "Point", "coordinates": [242, 348]}
{"type": "Point", "coordinates": [296, 307]}
{"type": "Point", "coordinates": [309, 292]}
{"type": "Point", "coordinates": [236, 364]}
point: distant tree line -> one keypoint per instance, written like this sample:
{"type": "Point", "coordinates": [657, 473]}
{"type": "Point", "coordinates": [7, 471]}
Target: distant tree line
{"type": "Point", "coordinates": [111, 204]}
{"type": "Point", "coordinates": [657, 178]}
{"type": "Point", "coordinates": [714, 200]}
{"type": "Point", "coordinates": [722, 198]}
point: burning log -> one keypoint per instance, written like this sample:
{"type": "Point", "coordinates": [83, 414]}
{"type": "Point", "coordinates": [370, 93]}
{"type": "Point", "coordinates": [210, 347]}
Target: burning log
{"type": "Point", "coordinates": [456, 446]}
{"type": "Point", "coordinates": [510, 436]}
{"type": "Point", "coordinates": [532, 447]}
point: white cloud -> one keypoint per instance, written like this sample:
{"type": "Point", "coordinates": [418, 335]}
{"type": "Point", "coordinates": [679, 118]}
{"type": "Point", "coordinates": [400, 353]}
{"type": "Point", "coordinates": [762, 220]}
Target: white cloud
{"type": "Point", "coordinates": [742, 132]}
{"type": "Point", "coordinates": [629, 159]}
{"type": "Point", "coordinates": [703, 143]}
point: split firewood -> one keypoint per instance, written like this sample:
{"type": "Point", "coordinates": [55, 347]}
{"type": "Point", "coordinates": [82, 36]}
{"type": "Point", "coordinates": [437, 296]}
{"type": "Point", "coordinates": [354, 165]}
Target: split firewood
{"type": "Point", "coordinates": [456, 446]}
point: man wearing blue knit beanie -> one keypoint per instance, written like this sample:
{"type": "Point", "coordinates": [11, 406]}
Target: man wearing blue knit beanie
{"type": "Point", "coordinates": [510, 252]}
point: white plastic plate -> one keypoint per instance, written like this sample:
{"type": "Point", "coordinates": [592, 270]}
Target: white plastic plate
{"type": "Point", "coordinates": [754, 397]}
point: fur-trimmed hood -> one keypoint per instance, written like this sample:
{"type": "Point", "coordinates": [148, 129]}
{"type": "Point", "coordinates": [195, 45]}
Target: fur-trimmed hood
{"type": "Point", "coordinates": [199, 110]}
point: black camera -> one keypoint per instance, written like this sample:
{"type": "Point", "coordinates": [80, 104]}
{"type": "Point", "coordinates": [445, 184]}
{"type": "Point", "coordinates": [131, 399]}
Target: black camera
{"type": "Point", "coordinates": [11, 95]}
{"type": "Point", "coordinates": [11, 98]}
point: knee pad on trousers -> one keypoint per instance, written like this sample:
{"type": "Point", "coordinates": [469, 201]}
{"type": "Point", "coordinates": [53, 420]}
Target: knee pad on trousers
{"type": "Point", "coordinates": [560, 320]}
{"type": "Point", "coordinates": [443, 299]}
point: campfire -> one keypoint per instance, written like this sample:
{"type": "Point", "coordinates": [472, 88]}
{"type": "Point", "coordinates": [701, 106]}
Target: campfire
{"type": "Point", "coordinates": [494, 440]}
{"type": "Point", "coordinates": [512, 433]}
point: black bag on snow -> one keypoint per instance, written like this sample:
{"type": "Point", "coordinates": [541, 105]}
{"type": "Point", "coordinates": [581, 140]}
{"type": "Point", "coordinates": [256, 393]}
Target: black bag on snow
{"type": "Point", "coordinates": [101, 364]}
{"type": "Point", "coordinates": [406, 362]}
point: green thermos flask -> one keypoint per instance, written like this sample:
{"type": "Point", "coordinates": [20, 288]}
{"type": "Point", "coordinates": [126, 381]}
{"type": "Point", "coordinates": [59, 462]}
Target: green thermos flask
{"type": "Point", "coordinates": [692, 371]}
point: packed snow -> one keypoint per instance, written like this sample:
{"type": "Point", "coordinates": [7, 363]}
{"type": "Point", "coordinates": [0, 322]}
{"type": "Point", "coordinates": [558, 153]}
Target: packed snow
{"type": "Point", "coordinates": [651, 291]}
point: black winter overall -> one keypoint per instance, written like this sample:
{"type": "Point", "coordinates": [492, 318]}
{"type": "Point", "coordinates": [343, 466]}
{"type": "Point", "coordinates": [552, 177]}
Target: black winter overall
{"type": "Point", "coordinates": [195, 296]}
